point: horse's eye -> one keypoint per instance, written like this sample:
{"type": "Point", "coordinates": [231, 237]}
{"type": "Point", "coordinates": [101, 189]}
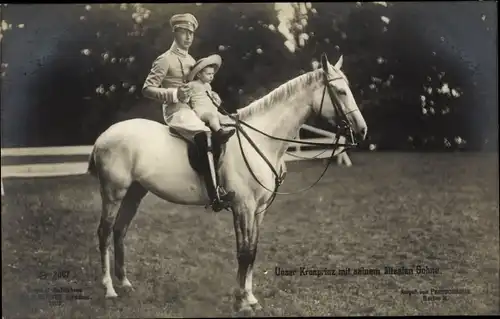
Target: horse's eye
{"type": "Point", "coordinates": [341, 92]}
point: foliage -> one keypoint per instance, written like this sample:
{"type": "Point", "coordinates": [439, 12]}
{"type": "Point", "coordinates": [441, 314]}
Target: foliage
{"type": "Point", "coordinates": [414, 93]}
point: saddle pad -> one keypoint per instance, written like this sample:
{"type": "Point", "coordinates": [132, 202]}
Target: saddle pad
{"type": "Point", "coordinates": [197, 160]}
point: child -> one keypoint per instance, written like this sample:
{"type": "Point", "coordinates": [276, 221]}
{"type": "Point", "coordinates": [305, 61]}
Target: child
{"type": "Point", "coordinates": [203, 100]}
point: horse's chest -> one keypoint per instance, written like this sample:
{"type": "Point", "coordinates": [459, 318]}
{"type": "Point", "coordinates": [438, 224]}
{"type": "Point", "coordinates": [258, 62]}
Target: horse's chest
{"type": "Point", "coordinates": [251, 183]}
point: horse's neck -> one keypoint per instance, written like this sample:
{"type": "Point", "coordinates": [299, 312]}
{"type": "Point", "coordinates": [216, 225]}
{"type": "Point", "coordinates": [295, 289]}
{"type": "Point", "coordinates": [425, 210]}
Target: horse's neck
{"type": "Point", "coordinates": [283, 121]}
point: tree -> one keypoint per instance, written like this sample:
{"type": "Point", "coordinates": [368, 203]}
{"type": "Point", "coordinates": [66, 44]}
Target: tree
{"type": "Point", "coordinates": [414, 89]}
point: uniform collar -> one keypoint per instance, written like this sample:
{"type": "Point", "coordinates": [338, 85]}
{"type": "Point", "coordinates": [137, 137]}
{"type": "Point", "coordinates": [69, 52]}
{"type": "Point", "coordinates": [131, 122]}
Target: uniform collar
{"type": "Point", "coordinates": [175, 49]}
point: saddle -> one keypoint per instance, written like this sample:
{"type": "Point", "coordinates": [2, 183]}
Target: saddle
{"type": "Point", "coordinates": [197, 157]}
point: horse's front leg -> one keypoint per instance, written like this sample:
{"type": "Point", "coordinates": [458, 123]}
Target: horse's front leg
{"type": "Point", "coordinates": [246, 226]}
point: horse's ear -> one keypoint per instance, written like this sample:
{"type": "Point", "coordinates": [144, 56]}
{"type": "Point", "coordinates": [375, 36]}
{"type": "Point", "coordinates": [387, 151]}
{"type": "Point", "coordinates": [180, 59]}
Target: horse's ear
{"type": "Point", "coordinates": [338, 65]}
{"type": "Point", "coordinates": [324, 62]}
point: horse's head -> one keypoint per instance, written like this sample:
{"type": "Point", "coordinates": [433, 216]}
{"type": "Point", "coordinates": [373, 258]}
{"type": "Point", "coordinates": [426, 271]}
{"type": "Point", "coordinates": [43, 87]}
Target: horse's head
{"type": "Point", "coordinates": [335, 102]}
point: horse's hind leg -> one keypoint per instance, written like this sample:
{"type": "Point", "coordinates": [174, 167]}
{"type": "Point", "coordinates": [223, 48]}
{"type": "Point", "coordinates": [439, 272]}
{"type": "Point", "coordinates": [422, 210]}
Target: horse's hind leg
{"type": "Point", "coordinates": [128, 209]}
{"type": "Point", "coordinates": [111, 200]}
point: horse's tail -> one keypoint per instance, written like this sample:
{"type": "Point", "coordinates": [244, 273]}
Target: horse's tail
{"type": "Point", "coordinates": [92, 166]}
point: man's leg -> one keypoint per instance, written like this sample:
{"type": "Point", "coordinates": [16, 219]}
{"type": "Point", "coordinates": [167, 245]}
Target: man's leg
{"type": "Point", "coordinates": [191, 127]}
{"type": "Point", "coordinates": [218, 199]}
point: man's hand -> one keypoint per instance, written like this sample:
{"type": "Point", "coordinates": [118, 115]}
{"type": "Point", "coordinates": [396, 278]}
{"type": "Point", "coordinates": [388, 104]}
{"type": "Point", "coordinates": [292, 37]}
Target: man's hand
{"type": "Point", "coordinates": [184, 93]}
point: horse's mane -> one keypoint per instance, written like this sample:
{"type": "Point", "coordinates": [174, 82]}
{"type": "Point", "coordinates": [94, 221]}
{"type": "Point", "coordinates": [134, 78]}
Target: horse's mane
{"type": "Point", "coordinates": [281, 93]}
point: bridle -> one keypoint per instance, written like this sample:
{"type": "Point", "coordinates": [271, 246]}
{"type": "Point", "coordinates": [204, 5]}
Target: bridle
{"type": "Point", "coordinates": [343, 128]}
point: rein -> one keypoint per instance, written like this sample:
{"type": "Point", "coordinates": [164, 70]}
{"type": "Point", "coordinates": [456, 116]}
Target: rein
{"type": "Point", "coordinates": [279, 178]}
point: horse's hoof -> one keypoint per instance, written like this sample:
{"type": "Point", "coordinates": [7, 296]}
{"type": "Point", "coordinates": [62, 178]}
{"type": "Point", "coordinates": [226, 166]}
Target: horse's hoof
{"type": "Point", "coordinates": [244, 312]}
{"type": "Point", "coordinates": [256, 307]}
{"type": "Point", "coordinates": [241, 307]}
{"type": "Point", "coordinates": [127, 287]}
{"type": "Point", "coordinates": [112, 294]}
{"type": "Point", "coordinates": [125, 283]}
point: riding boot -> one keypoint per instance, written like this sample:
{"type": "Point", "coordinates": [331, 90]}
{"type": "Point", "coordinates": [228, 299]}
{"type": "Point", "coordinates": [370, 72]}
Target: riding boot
{"type": "Point", "coordinates": [222, 135]}
{"type": "Point", "coordinates": [219, 198]}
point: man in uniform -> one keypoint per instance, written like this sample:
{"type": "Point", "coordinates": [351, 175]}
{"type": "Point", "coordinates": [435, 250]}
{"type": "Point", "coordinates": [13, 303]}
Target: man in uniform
{"type": "Point", "coordinates": [166, 82]}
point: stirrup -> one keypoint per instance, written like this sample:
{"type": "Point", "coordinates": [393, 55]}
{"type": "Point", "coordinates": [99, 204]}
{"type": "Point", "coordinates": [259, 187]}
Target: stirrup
{"type": "Point", "coordinates": [217, 203]}
{"type": "Point", "coordinates": [220, 191]}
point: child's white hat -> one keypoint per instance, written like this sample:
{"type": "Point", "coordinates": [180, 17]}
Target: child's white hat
{"type": "Point", "coordinates": [213, 59]}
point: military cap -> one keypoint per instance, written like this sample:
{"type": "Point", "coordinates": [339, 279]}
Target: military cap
{"type": "Point", "coordinates": [184, 20]}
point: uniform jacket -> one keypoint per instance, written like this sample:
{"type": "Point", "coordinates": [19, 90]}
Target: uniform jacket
{"type": "Point", "coordinates": [168, 73]}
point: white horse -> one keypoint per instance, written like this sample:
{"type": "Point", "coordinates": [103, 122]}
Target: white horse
{"type": "Point", "coordinates": [134, 157]}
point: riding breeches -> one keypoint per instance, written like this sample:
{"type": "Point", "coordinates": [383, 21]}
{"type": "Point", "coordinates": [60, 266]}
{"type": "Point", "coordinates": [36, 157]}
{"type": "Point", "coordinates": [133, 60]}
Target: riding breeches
{"type": "Point", "coordinates": [184, 120]}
